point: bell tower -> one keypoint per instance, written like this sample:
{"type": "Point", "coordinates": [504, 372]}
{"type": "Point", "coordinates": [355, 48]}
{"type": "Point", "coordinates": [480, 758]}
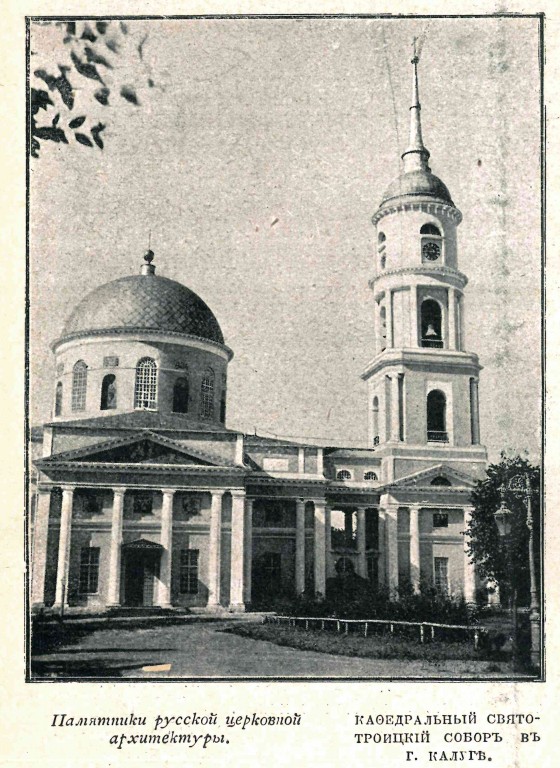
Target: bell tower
{"type": "Point", "coordinates": [422, 383]}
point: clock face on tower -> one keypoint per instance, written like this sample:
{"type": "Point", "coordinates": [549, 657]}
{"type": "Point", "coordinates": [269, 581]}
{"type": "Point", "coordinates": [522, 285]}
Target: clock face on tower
{"type": "Point", "coordinates": [431, 251]}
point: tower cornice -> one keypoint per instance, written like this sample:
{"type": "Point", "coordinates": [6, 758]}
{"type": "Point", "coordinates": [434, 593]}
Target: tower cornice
{"type": "Point", "coordinates": [452, 276]}
{"type": "Point", "coordinates": [459, 362]}
{"type": "Point", "coordinates": [427, 206]}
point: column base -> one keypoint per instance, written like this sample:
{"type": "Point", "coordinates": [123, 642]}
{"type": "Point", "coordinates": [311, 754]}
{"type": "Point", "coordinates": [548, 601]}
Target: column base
{"type": "Point", "coordinates": [236, 607]}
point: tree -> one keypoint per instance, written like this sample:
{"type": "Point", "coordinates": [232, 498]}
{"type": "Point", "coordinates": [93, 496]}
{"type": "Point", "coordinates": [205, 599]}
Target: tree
{"type": "Point", "coordinates": [509, 569]}
{"type": "Point", "coordinates": [90, 64]}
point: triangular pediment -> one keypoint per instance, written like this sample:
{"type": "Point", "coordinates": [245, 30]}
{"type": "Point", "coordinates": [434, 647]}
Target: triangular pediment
{"type": "Point", "coordinates": [147, 449]}
{"type": "Point", "coordinates": [438, 477]}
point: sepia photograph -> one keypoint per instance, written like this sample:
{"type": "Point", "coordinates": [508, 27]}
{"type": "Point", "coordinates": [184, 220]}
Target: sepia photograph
{"type": "Point", "coordinates": [285, 343]}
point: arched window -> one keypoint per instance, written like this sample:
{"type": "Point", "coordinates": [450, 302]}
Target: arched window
{"type": "Point", "coordinates": [344, 474]}
{"type": "Point", "coordinates": [381, 238]}
{"type": "Point", "coordinates": [430, 229]}
{"type": "Point", "coordinates": [207, 395]}
{"type": "Point", "coordinates": [430, 314]}
{"type": "Point", "coordinates": [381, 249]}
{"type": "Point", "coordinates": [58, 399]}
{"type": "Point", "coordinates": [181, 395]}
{"type": "Point", "coordinates": [145, 387]}
{"type": "Point", "coordinates": [436, 407]}
{"type": "Point", "coordinates": [370, 476]}
{"type": "Point", "coordinates": [431, 243]}
{"type": "Point", "coordinates": [109, 392]}
{"type": "Point", "coordinates": [79, 386]}
{"type": "Point", "coordinates": [383, 327]}
{"type": "Point", "coordinates": [375, 409]}
{"type": "Point", "coordinates": [439, 480]}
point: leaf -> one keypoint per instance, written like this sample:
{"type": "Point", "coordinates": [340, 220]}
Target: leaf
{"type": "Point", "coordinates": [35, 147]}
{"type": "Point", "coordinates": [102, 96]}
{"type": "Point", "coordinates": [76, 122]}
{"type": "Point", "coordinates": [150, 82]}
{"type": "Point", "coordinates": [64, 87]}
{"type": "Point", "coordinates": [83, 139]}
{"type": "Point", "coordinates": [112, 45]}
{"type": "Point", "coordinates": [124, 28]}
{"type": "Point", "coordinates": [128, 93]}
{"type": "Point", "coordinates": [51, 134]}
{"type": "Point", "coordinates": [101, 26]}
{"type": "Point", "coordinates": [87, 70]}
{"type": "Point", "coordinates": [40, 99]}
{"type": "Point", "coordinates": [56, 118]}
{"type": "Point", "coordinates": [95, 131]}
{"type": "Point", "coordinates": [87, 34]}
{"type": "Point", "coordinates": [50, 80]}
{"type": "Point", "coordinates": [71, 28]}
{"type": "Point", "coordinates": [91, 55]}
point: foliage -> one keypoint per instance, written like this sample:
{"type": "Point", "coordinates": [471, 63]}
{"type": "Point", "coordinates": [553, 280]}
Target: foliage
{"type": "Point", "coordinates": [351, 597]}
{"type": "Point", "coordinates": [485, 547]}
{"type": "Point", "coordinates": [90, 54]}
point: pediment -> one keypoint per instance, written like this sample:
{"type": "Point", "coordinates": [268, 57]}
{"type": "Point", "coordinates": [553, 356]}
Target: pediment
{"type": "Point", "coordinates": [146, 450]}
{"type": "Point", "coordinates": [439, 477]}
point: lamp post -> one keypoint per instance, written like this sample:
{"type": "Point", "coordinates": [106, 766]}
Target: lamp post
{"type": "Point", "coordinates": [520, 486]}
{"type": "Point", "coordinates": [503, 517]}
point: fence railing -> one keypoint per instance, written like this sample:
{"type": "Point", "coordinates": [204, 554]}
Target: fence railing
{"type": "Point", "coordinates": [343, 625]}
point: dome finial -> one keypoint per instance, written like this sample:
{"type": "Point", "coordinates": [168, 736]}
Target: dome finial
{"type": "Point", "coordinates": [148, 268]}
{"type": "Point", "coordinates": [416, 156]}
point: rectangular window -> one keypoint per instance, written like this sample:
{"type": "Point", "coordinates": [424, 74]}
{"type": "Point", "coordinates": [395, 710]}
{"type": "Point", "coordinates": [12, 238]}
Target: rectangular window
{"type": "Point", "coordinates": [272, 568]}
{"type": "Point", "coordinates": [188, 574]}
{"type": "Point", "coordinates": [142, 503]}
{"type": "Point", "coordinates": [89, 570]}
{"type": "Point", "coordinates": [441, 575]}
{"type": "Point", "coordinates": [441, 520]}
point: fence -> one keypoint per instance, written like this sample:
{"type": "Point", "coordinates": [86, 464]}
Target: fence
{"type": "Point", "coordinates": [323, 623]}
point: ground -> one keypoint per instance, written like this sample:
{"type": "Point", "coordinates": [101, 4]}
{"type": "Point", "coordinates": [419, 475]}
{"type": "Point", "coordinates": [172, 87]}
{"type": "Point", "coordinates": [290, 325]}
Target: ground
{"type": "Point", "coordinates": [204, 650]}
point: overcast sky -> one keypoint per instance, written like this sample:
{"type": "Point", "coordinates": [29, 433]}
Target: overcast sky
{"type": "Point", "coordinates": [257, 160]}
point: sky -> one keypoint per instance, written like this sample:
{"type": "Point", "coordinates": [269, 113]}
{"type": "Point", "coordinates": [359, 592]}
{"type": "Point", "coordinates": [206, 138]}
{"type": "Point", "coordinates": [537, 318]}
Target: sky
{"type": "Point", "coordinates": [254, 165]}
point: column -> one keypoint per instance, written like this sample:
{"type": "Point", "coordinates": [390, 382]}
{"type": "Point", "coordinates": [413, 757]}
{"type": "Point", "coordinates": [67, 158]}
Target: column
{"type": "Point", "coordinates": [320, 470]}
{"type": "Point", "coordinates": [452, 317]}
{"type": "Point", "coordinates": [475, 424]}
{"type": "Point", "coordinates": [300, 546]}
{"type": "Point", "coordinates": [395, 420]}
{"type": "Point", "coordinates": [214, 549]}
{"type": "Point", "coordinates": [61, 595]}
{"type": "Point", "coordinates": [361, 541]}
{"type": "Point", "coordinates": [413, 316]}
{"type": "Point", "coordinates": [469, 573]}
{"type": "Point", "coordinates": [301, 461]}
{"type": "Point", "coordinates": [113, 588]}
{"type": "Point", "coordinates": [236, 589]}
{"type": "Point", "coordinates": [389, 318]}
{"type": "Point", "coordinates": [39, 551]}
{"type": "Point", "coordinates": [166, 540]}
{"type": "Point", "coordinates": [248, 550]}
{"type": "Point", "coordinates": [319, 544]}
{"type": "Point", "coordinates": [415, 546]}
{"type": "Point", "coordinates": [382, 547]}
{"type": "Point", "coordinates": [391, 548]}
{"type": "Point", "coordinates": [329, 570]}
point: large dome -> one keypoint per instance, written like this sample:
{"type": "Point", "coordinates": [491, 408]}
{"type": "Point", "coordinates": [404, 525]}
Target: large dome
{"type": "Point", "coordinates": [143, 302]}
{"type": "Point", "coordinates": [418, 183]}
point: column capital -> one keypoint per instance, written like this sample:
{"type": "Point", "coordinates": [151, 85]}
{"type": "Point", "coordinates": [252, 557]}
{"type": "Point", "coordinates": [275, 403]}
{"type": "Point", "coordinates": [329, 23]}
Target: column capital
{"type": "Point", "coordinates": [119, 491]}
{"type": "Point", "coordinates": [169, 491]}
{"type": "Point", "coordinates": [239, 492]}
{"type": "Point", "coordinates": [68, 488]}
{"type": "Point", "coordinates": [218, 492]}
{"type": "Point", "coordinates": [318, 502]}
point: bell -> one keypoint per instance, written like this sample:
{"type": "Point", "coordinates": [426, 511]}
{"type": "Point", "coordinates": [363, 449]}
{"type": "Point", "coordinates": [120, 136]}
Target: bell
{"type": "Point", "coordinates": [430, 331]}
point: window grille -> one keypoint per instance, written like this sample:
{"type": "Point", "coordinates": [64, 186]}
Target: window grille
{"type": "Point", "coordinates": [207, 395]}
{"type": "Point", "coordinates": [79, 386]}
{"type": "Point", "coordinates": [441, 575]}
{"type": "Point", "coordinates": [440, 520]}
{"type": "Point", "coordinates": [89, 570]}
{"type": "Point", "coordinates": [344, 474]}
{"type": "Point", "coordinates": [370, 476]}
{"type": "Point", "coordinates": [145, 390]}
{"type": "Point", "coordinates": [188, 573]}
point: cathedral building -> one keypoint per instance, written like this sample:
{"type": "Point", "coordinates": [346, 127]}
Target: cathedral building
{"type": "Point", "coordinates": [144, 497]}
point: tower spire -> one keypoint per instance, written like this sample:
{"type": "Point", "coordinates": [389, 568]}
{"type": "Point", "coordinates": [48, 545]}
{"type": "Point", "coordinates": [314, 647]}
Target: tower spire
{"type": "Point", "coordinates": [416, 156]}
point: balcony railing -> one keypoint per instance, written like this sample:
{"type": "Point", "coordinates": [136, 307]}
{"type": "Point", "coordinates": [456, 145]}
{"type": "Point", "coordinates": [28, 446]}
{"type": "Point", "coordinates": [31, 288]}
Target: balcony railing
{"type": "Point", "coordinates": [437, 437]}
{"type": "Point", "coordinates": [433, 343]}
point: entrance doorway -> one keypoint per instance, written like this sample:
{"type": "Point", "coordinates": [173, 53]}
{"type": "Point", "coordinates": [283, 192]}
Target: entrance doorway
{"type": "Point", "coordinates": [141, 570]}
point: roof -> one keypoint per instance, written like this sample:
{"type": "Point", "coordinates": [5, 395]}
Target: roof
{"type": "Point", "coordinates": [417, 183]}
{"type": "Point", "coordinates": [145, 420]}
{"type": "Point", "coordinates": [143, 302]}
